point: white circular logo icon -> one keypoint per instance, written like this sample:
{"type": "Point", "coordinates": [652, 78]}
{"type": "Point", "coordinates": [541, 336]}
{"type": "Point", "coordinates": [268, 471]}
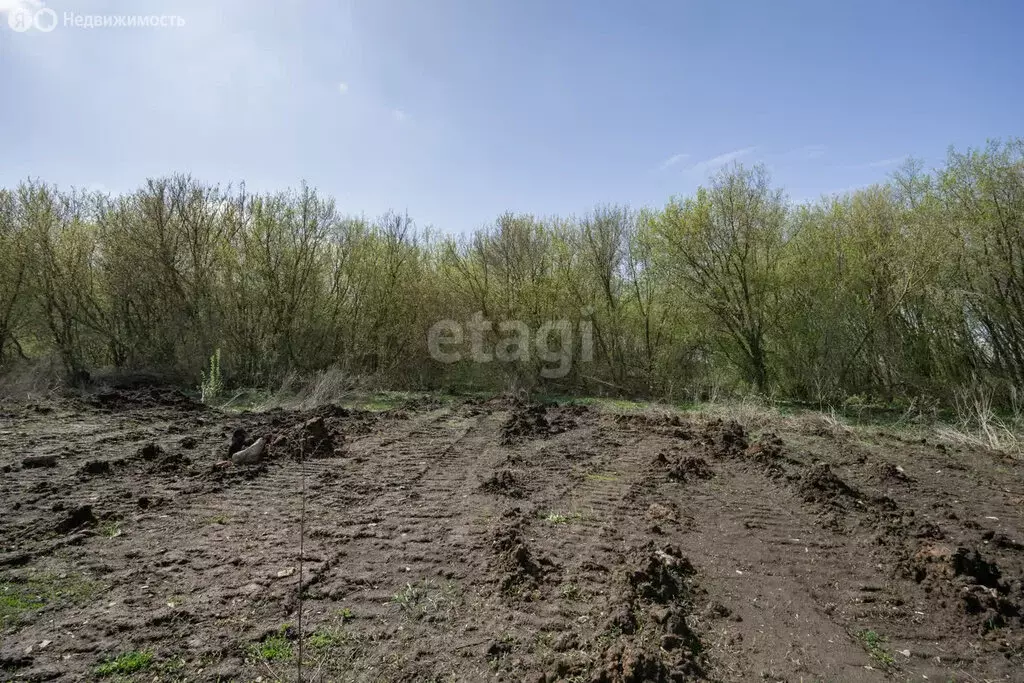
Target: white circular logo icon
{"type": "Point", "coordinates": [46, 20]}
{"type": "Point", "coordinates": [22, 19]}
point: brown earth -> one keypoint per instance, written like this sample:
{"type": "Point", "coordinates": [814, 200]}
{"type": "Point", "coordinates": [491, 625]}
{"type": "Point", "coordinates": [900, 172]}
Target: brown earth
{"type": "Point", "coordinates": [497, 540]}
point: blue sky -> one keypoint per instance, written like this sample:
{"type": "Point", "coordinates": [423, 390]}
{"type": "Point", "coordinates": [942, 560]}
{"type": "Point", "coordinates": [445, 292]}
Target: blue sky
{"type": "Point", "coordinates": [458, 110]}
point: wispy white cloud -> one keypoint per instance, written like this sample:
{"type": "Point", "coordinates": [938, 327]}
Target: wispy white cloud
{"type": "Point", "coordinates": [9, 5]}
{"type": "Point", "coordinates": [672, 161]}
{"type": "Point", "coordinates": [715, 163]}
{"type": "Point", "coordinates": [399, 115]}
{"type": "Point", "coordinates": [343, 88]}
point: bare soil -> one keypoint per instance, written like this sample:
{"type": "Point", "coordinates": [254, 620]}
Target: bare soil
{"type": "Point", "coordinates": [497, 540]}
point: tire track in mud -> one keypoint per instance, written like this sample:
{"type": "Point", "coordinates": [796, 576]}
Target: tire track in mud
{"type": "Point", "coordinates": [379, 517]}
{"type": "Point", "coordinates": [589, 589]}
{"type": "Point", "coordinates": [852, 575]}
{"type": "Point", "coordinates": [775, 609]}
{"type": "Point", "coordinates": [402, 551]}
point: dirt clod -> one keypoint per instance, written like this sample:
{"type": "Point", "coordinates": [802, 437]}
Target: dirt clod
{"type": "Point", "coordinates": [518, 568]}
{"type": "Point", "coordinates": [820, 485]}
{"type": "Point", "coordinates": [505, 483]}
{"type": "Point", "coordinates": [724, 438]}
{"type": "Point", "coordinates": [688, 467]}
{"type": "Point", "coordinates": [96, 467]}
{"type": "Point", "coordinates": [310, 439]}
{"type": "Point", "coordinates": [78, 517]}
{"type": "Point", "coordinates": [39, 461]}
{"type": "Point", "coordinates": [150, 451]}
{"type": "Point", "coordinates": [531, 421]}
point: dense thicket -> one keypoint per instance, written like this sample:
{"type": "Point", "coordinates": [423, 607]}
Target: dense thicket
{"type": "Point", "coordinates": [910, 289]}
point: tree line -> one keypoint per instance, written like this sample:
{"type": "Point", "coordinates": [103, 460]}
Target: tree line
{"type": "Point", "coordinates": [912, 289]}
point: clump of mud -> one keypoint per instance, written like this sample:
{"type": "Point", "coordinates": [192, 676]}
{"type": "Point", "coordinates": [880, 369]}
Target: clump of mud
{"type": "Point", "coordinates": [173, 463]}
{"type": "Point", "coordinates": [96, 467]}
{"type": "Point", "coordinates": [660, 576]}
{"type": "Point", "coordinates": [888, 473]}
{"type": "Point", "coordinates": [505, 483]}
{"type": "Point", "coordinates": [311, 439]}
{"type": "Point", "coordinates": [150, 451]}
{"type": "Point", "coordinates": [531, 421]}
{"type": "Point", "coordinates": [768, 452]}
{"type": "Point", "coordinates": [148, 397]}
{"type": "Point", "coordinates": [655, 644]}
{"type": "Point", "coordinates": [519, 570]}
{"type": "Point", "coordinates": [667, 425]}
{"type": "Point", "coordinates": [684, 468]}
{"type": "Point", "coordinates": [81, 516]}
{"type": "Point", "coordinates": [820, 485]}
{"type": "Point", "coordinates": [984, 596]}
{"type": "Point", "coordinates": [724, 439]}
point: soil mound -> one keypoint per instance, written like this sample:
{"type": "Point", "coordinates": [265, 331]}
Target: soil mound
{"type": "Point", "coordinates": [78, 517]}
{"type": "Point", "coordinates": [173, 463]}
{"type": "Point", "coordinates": [506, 483]}
{"type": "Point", "coordinates": [657, 644]}
{"type": "Point", "coordinates": [137, 399]}
{"type": "Point", "coordinates": [724, 438]}
{"type": "Point", "coordinates": [978, 582]}
{"type": "Point", "coordinates": [96, 467]}
{"type": "Point", "coordinates": [820, 485]}
{"type": "Point", "coordinates": [150, 451]}
{"type": "Point", "coordinates": [529, 422]}
{"type": "Point", "coordinates": [888, 473]}
{"type": "Point", "coordinates": [684, 468]}
{"type": "Point", "coordinates": [519, 571]}
{"type": "Point", "coordinates": [660, 576]}
{"type": "Point", "coordinates": [311, 439]}
{"type": "Point", "coordinates": [768, 452]}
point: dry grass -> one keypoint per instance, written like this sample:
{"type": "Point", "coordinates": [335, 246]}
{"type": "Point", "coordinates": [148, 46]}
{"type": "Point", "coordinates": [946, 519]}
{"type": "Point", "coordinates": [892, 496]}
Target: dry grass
{"type": "Point", "coordinates": [758, 414]}
{"type": "Point", "coordinates": [32, 379]}
{"type": "Point", "coordinates": [979, 426]}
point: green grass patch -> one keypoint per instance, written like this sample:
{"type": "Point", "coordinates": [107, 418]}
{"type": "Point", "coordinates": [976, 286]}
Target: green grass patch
{"type": "Point", "coordinates": [559, 518]}
{"type": "Point", "coordinates": [324, 639]}
{"type": "Point", "coordinates": [418, 600]}
{"type": "Point", "coordinates": [275, 648]}
{"type": "Point", "coordinates": [127, 663]}
{"type": "Point", "coordinates": [20, 597]}
{"type": "Point", "coordinates": [377, 405]}
{"type": "Point", "coordinates": [15, 601]}
{"type": "Point", "coordinates": [873, 643]}
{"type": "Point", "coordinates": [570, 591]}
{"type": "Point", "coordinates": [602, 476]}
{"type": "Point", "coordinates": [111, 529]}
